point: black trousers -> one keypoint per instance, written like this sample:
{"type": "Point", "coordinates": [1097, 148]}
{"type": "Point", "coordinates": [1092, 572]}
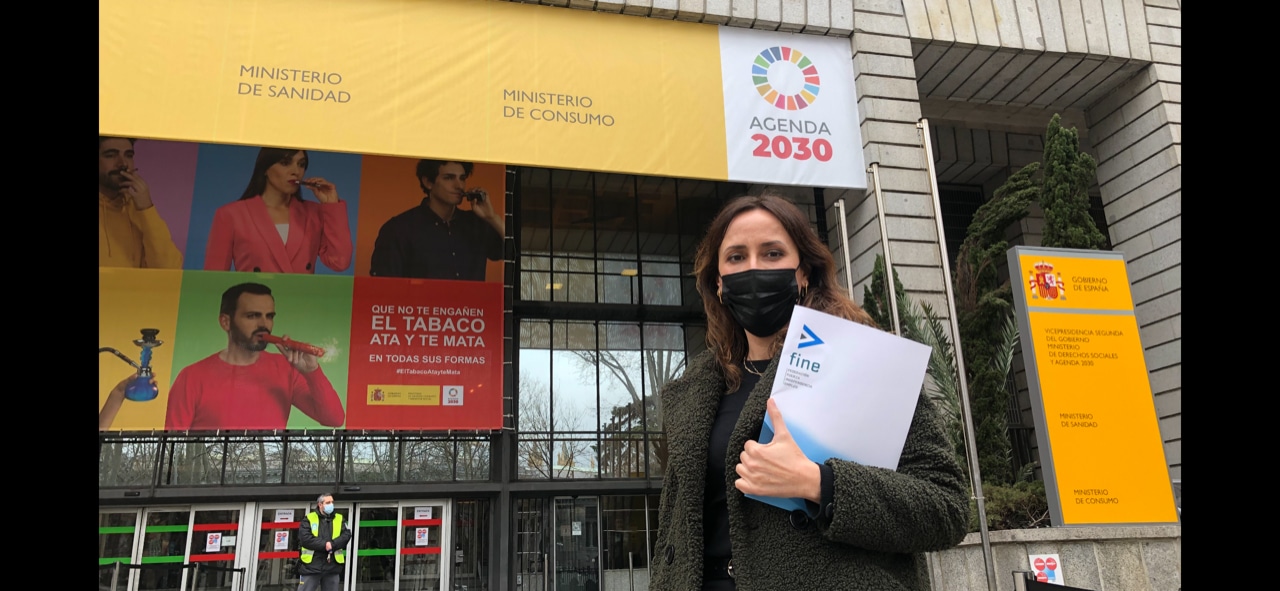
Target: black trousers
{"type": "Point", "coordinates": [325, 582]}
{"type": "Point", "coordinates": [718, 585]}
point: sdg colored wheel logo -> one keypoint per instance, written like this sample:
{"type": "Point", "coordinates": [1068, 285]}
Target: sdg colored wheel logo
{"type": "Point", "coordinates": [785, 78]}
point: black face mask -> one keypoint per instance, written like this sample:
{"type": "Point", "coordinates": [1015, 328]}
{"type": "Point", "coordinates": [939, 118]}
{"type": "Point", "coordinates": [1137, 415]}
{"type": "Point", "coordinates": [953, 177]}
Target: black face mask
{"type": "Point", "coordinates": [761, 300]}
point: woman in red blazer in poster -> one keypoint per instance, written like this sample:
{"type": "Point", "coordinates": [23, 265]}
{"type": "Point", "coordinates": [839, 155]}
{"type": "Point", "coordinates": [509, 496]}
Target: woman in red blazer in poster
{"type": "Point", "coordinates": [270, 229]}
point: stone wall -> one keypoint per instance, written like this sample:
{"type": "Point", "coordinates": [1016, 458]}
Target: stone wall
{"type": "Point", "coordinates": [1123, 558]}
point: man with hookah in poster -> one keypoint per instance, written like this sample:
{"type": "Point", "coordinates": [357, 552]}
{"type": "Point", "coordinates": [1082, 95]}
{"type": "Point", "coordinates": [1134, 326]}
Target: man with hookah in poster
{"type": "Point", "coordinates": [245, 387]}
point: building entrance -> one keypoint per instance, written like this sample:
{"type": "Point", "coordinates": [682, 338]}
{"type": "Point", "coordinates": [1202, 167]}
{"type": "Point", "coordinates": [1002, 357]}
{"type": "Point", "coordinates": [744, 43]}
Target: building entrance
{"type": "Point", "coordinates": [396, 546]}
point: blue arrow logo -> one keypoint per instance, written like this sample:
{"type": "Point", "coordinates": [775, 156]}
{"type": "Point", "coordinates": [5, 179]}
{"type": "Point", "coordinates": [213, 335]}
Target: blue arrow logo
{"type": "Point", "coordinates": [808, 339]}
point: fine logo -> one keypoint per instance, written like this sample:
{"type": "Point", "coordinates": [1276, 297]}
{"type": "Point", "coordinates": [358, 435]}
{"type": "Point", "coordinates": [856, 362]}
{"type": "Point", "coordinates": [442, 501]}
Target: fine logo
{"type": "Point", "coordinates": [376, 395]}
{"type": "Point", "coordinates": [1045, 284]}
{"type": "Point", "coordinates": [808, 339]}
{"type": "Point", "coordinates": [786, 78]}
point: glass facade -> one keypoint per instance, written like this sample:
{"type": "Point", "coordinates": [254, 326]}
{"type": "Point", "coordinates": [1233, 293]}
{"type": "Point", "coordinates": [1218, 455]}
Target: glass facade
{"type": "Point", "coordinates": [602, 312]}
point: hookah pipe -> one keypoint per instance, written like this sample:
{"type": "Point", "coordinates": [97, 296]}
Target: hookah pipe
{"type": "Point", "coordinates": [295, 345]}
{"type": "Point", "coordinates": [140, 388]}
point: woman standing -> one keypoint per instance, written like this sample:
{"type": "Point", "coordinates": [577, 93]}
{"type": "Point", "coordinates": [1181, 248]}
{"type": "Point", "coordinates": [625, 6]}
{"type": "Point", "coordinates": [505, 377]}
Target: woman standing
{"type": "Point", "coordinates": [864, 525]}
{"type": "Point", "coordinates": [270, 229]}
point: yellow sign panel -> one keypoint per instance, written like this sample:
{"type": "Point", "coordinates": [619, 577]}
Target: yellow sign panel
{"type": "Point", "coordinates": [403, 395]}
{"type": "Point", "coordinates": [458, 79]}
{"type": "Point", "coordinates": [1076, 283]}
{"type": "Point", "coordinates": [1092, 396]}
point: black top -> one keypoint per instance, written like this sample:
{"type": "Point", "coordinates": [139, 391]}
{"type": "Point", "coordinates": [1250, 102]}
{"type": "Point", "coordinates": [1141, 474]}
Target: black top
{"type": "Point", "coordinates": [419, 244]}
{"type": "Point", "coordinates": [715, 514]}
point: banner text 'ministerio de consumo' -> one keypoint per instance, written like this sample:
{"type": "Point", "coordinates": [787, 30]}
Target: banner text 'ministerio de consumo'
{"type": "Point", "coordinates": [553, 107]}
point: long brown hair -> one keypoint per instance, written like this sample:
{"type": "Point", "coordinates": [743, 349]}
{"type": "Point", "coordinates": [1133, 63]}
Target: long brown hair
{"type": "Point", "coordinates": [726, 339]}
{"type": "Point", "coordinates": [268, 157]}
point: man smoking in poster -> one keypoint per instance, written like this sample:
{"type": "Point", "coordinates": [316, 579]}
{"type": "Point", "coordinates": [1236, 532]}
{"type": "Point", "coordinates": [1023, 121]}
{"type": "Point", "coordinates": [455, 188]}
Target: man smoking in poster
{"type": "Point", "coordinates": [130, 231]}
{"type": "Point", "coordinates": [244, 386]}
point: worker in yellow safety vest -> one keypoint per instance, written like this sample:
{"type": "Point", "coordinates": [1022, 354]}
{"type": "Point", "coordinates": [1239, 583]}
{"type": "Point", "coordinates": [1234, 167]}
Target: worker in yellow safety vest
{"type": "Point", "coordinates": [323, 538]}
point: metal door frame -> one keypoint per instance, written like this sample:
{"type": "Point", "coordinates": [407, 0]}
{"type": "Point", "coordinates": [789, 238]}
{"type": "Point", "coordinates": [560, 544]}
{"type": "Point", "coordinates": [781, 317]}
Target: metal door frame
{"type": "Point", "coordinates": [353, 565]}
{"type": "Point", "coordinates": [240, 537]}
{"type": "Point", "coordinates": [138, 534]}
{"type": "Point", "coordinates": [446, 536]}
{"type": "Point", "coordinates": [555, 533]}
{"type": "Point", "coordinates": [251, 561]}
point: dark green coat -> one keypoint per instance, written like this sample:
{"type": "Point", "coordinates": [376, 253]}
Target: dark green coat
{"type": "Point", "coordinates": [882, 518]}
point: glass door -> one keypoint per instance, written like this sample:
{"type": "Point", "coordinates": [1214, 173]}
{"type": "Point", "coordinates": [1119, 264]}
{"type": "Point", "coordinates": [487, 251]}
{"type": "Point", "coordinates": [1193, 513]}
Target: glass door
{"type": "Point", "coordinates": [533, 541]}
{"type": "Point", "coordinates": [215, 532]}
{"type": "Point", "coordinates": [174, 548]}
{"type": "Point", "coordinates": [376, 540]}
{"type": "Point", "coordinates": [422, 541]}
{"type": "Point", "coordinates": [117, 543]}
{"type": "Point", "coordinates": [576, 557]}
{"type": "Point", "coordinates": [274, 556]}
{"type": "Point", "coordinates": [400, 545]}
{"type": "Point", "coordinates": [163, 550]}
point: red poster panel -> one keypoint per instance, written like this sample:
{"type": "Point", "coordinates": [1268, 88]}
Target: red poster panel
{"type": "Point", "coordinates": [425, 355]}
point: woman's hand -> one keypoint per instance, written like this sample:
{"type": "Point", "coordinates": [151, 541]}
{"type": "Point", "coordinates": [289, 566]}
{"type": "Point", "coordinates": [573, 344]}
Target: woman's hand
{"type": "Point", "coordinates": [779, 468]}
{"type": "Point", "coordinates": [325, 191]}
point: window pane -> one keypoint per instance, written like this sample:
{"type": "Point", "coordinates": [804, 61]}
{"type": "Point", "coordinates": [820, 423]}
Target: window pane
{"type": "Point", "coordinates": [428, 460]}
{"type": "Point", "coordinates": [533, 398]}
{"type": "Point", "coordinates": [657, 215]}
{"type": "Point", "coordinates": [127, 463]}
{"type": "Point", "coordinates": [622, 455]}
{"type": "Point", "coordinates": [624, 535]}
{"type": "Point", "coordinates": [535, 210]}
{"type": "Point", "coordinates": [369, 461]}
{"type": "Point", "coordinates": [254, 461]}
{"type": "Point", "coordinates": [573, 411]}
{"type": "Point", "coordinates": [621, 377]}
{"type": "Point", "coordinates": [573, 286]}
{"type": "Point", "coordinates": [194, 462]}
{"type": "Point", "coordinates": [662, 285]}
{"type": "Point", "coordinates": [377, 549]}
{"type": "Point", "coordinates": [116, 533]}
{"type": "Point", "coordinates": [535, 286]}
{"type": "Point", "coordinates": [473, 459]}
{"type": "Point", "coordinates": [572, 212]}
{"type": "Point", "coordinates": [616, 220]}
{"type": "Point", "coordinates": [312, 460]}
{"type": "Point", "coordinates": [470, 551]}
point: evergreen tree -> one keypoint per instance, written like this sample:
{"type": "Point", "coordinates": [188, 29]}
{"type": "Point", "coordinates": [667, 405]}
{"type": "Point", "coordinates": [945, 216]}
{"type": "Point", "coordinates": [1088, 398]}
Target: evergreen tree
{"type": "Point", "coordinates": [983, 305]}
{"type": "Point", "coordinates": [1068, 172]}
{"type": "Point", "coordinates": [875, 296]}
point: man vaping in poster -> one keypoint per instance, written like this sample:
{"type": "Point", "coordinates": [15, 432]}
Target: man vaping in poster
{"type": "Point", "coordinates": [436, 240]}
{"type": "Point", "coordinates": [245, 387]}
{"type": "Point", "coordinates": [323, 540]}
{"type": "Point", "coordinates": [130, 231]}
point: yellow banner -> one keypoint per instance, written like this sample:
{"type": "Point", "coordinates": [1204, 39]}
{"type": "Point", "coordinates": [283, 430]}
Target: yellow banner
{"type": "Point", "coordinates": [459, 79]}
{"type": "Point", "coordinates": [1091, 391]}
